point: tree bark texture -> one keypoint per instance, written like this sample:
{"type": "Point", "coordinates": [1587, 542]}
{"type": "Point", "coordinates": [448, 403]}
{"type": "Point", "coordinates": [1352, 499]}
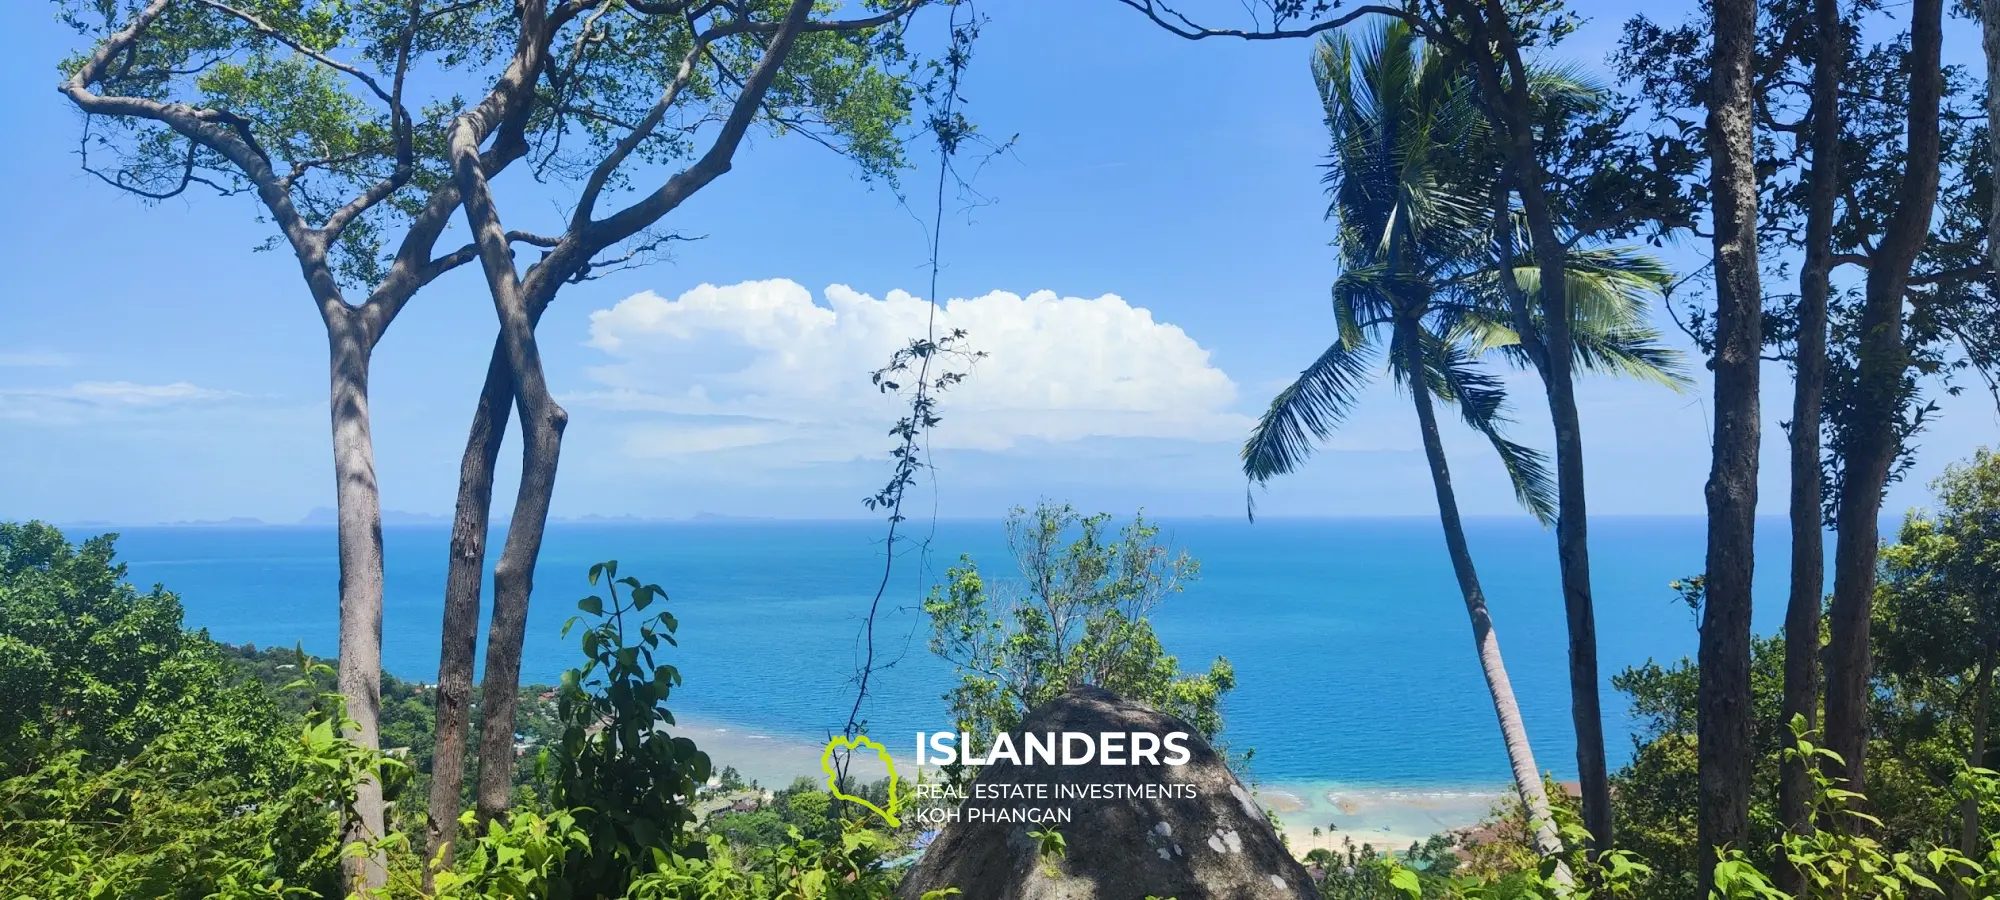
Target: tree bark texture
{"type": "Point", "coordinates": [358, 511]}
{"type": "Point", "coordinates": [1875, 444]}
{"type": "Point", "coordinates": [1723, 694]}
{"type": "Point", "coordinates": [1513, 733]}
{"type": "Point", "coordinates": [505, 112]}
{"type": "Point", "coordinates": [1511, 108]}
{"type": "Point", "coordinates": [463, 582]}
{"type": "Point", "coordinates": [542, 423]}
{"type": "Point", "coordinates": [517, 299]}
{"type": "Point", "coordinates": [1808, 575]}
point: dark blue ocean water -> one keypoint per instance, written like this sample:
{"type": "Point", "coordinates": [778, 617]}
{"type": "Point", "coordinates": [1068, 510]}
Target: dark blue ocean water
{"type": "Point", "coordinates": [1349, 639]}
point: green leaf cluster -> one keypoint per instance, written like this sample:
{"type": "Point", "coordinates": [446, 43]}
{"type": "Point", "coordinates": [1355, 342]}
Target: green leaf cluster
{"type": "Point", "coordinates": [624, 777]}
{"type": "Point", "coordinates": [1077, 614]}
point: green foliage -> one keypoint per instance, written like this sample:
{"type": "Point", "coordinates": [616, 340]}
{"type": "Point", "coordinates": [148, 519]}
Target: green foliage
{"type": "Point", "coordinates": [221, 773]}
{"type": "Point", "coordinates": [332, 98]}
{"type": "Point", "coordinates": [627, 781]}
{"type": "Point", "coordinates": [133, 762]}
{"type": "Point", "coordinates": [1077, 615]}
{"type": "Point", "coordinates": [1841, 860]}
{"type": "Point", "coordinates": [87, 663]}
{"type": "Point", "coordinates": [1051, 848]}
{"type": "Point", "coordinates": [846, 867]}
{"type": "Point", "coordinates": [1932, 623]}
{"type": "Point", "coordinates": [520, 859]}
{"type": "Point", "coordinates": [1940, 582]}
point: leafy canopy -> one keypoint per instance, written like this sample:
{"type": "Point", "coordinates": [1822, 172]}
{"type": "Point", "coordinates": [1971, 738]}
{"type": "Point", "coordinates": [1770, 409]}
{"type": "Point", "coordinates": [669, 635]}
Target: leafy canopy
{"type": "Point", "coordinates": [1076, 615]}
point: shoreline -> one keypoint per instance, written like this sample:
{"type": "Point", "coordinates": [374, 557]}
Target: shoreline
{"type": "Point", "coordinates": [1386, 817]}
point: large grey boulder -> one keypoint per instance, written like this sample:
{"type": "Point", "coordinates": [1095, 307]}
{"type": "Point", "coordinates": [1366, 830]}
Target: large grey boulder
{"type": "Point", "coordinates": [1213, 844]}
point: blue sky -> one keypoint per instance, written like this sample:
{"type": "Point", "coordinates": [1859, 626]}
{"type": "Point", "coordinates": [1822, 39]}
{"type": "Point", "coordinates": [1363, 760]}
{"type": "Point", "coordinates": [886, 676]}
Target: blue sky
{"type": "Point", "coordinates": [1164, 194]}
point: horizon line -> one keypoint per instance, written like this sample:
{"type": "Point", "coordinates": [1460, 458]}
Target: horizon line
{"type": "Point", "coordinates": [431, 520]}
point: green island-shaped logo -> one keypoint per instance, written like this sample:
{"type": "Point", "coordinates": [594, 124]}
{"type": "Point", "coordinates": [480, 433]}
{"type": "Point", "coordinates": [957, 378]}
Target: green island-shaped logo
{"type": "Point", "coordinates": [833, 778]}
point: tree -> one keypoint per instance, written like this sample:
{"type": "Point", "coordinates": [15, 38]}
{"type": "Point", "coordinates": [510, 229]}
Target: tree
{"type": "Point", "coordinates": [303, 105]}
{"type": "Point", "coordinates": [1723, 749]}
{"type": "Point", "coordinates": [1492, 42]}
{"type": "Point", "coordinates": [1077, 615]}
{"type": "Point", "coordinates": [1873, 437]}
{"type": "Point", "coordinates": [636, 87]}
{"type": "Point", "coordinates": [1488, 35]}
{"type": "Point", "coordinates": [1887, 146]}
{"type": "Point", "coordinates": [1808, 570]}
{"type": "Point", "coordinates": [1412, 181]}
{"type": "Point", "coordinates": [1940, 594]}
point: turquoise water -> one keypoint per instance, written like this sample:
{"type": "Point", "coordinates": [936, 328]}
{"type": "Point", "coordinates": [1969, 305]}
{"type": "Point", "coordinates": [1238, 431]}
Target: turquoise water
{"type": "Point", "coordinates": [1350, 642]}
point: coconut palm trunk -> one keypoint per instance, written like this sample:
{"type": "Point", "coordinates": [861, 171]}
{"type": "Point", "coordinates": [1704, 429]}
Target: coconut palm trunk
{"type": "Point", "coordinates": [1520, 756]}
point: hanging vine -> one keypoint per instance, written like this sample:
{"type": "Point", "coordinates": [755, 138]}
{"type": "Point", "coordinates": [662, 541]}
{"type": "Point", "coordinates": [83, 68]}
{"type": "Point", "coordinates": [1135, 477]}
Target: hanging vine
{"type": "Point", "coordinates": [929, 365]}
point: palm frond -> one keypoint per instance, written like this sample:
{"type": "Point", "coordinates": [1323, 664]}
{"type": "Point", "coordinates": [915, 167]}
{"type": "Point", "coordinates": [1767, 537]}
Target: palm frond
{"type": "Point", "coordinates": [1567, 83]}
{"type": "Point", "coordinates": [1610, 291]}
{"type": "Point", "coordinates": [1481, 400]}
{"type": "Point", "coordinates": [1307, 411]}
{"type": "Point", "coordinates": [1631, 352]}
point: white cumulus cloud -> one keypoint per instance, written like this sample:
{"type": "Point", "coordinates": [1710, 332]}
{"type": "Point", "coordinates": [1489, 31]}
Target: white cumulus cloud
{"type": "Point", "coordinates": [760, 364]}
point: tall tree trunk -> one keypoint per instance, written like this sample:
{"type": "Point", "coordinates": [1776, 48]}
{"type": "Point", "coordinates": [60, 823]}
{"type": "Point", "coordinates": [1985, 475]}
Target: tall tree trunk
{"type": "Point", "coordinates": [1875, 439]}
{"type": "Point", "coordinates": [1520, 757]}
{"type": "Point", "coordinates": [1982, 719]}
{"type": "Point", "coordinates": [1808, 584]}
{"type": "Point", "coordinates": [1511, 108]}
{"type": "Point", "coordinates": [1723, 694]}
{"type": "Point", "coordinates": [504, 116]}
{"type": "Point", "coordinates": [470, 522]}
{"type": "Point", "coordinates": [1573, 552]}
{"type": "Point", "coordinates": [358, 513]}
{"type": "Point", "coordinates": [542, 423]}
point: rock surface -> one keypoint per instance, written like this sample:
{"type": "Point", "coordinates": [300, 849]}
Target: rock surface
{"type": "Point", "coordinates": [1214, 844]}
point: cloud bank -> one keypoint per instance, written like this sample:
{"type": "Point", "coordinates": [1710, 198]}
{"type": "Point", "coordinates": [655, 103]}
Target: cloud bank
{"type": "Point", "coordinates": [86, 400]}
{"type": "Point", "coordinates": [760, 369]}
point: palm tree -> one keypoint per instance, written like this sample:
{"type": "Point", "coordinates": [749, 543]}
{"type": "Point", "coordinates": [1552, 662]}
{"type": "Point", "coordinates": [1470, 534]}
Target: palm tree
{"type": "Point", "coordinates": [1411, 177]}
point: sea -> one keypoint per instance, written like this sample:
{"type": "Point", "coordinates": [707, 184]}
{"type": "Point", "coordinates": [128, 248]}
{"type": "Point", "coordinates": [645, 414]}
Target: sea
{"type": "Point", "coordinates": [1358, 693]}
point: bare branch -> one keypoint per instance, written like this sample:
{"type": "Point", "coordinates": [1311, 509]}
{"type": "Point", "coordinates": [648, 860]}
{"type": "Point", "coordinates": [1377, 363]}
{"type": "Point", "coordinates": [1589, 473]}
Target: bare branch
{"type": "Point", "coordinates": [587, 204]}
{"type": "Point", "coordinates": [225, 133]}
{"type": "Point", "coordinates": [188, 176]}
{"type": "Point", "coordinates": [436, 267]}
{"type": "Point", "coordinates": [632, 219]}
{"type": "Point", "coordinates": [405, 134]}
{"type": "Point", "coordinates": [502, 113]}
{"type": "Point", "coordinates": [1180, 26]}
{"type": "Point", "coordinates": [746, 26]}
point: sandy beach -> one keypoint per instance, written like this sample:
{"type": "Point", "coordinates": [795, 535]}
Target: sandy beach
{"type": "Point", "coordinates": [772, 760]}
{"type": "Point", "coordinates": [1384, 817]}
